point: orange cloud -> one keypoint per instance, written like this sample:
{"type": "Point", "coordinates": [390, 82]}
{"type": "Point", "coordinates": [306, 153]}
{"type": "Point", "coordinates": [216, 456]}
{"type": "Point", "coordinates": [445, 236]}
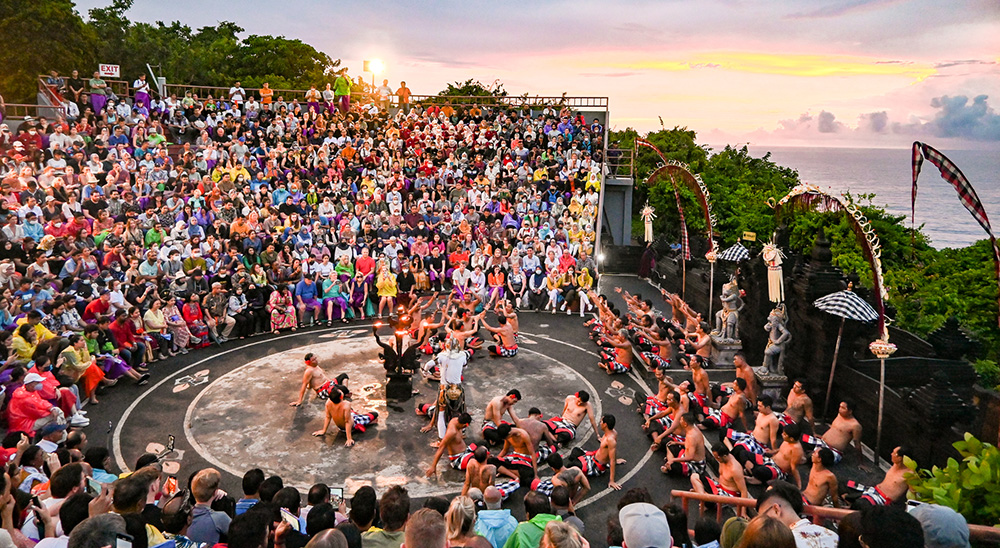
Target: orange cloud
{"type": "Point", "coordinates": [805, 65]}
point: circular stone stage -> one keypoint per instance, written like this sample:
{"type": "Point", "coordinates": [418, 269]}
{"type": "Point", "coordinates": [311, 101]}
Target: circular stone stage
{"type": "Point", "coordinates": [243, 416]}
{"type": "Point", "coordinates": [228, 408]}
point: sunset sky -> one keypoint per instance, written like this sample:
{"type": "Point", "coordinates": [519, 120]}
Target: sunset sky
{"type": "Point", "coordinates": [803, 72]}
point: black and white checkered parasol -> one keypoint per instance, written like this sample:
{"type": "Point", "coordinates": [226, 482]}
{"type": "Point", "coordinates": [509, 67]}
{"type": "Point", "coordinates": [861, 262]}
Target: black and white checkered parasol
{"type": "Point", "coordinates": [735, 254]}
{"type": "Point", "coordinates": [847, 304]}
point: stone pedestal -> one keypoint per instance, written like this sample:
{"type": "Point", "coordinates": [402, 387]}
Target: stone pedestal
{"type": "Point", "coordinates": [399, 387]}
{"type": "Point", "coordinates": [724, 350]}
{"type": "Point", "coordinates": [772, 384]}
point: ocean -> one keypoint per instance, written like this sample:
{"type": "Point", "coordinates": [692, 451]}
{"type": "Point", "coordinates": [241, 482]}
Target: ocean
{"type": "Point", "coordinates": [886, 172]}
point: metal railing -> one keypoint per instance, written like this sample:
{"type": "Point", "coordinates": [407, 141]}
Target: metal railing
{"type": "Point", "coordinates": [123, 88]}
{"type": "Point", "coordinates": [620, 162]}
{"type": "Point", "coordinates": [513, 101]}
{"type": "Point", "coordinates": [818, 514]}
{"type": "Point", "coordinates": [23, 110]}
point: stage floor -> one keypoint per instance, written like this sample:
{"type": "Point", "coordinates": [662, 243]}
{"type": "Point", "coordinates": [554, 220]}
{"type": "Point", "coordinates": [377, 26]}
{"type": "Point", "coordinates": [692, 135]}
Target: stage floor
{"type": "Point", "coordinates": [228, 408]}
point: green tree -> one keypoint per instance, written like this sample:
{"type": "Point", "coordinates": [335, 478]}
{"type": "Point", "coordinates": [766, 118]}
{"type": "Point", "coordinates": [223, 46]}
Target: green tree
{"type": "Point", "coordinates": [676, 144]}
{"type": "Point", "coordinates": [472, 87]}
{"type": "Point", "coordinates": [39, 36]}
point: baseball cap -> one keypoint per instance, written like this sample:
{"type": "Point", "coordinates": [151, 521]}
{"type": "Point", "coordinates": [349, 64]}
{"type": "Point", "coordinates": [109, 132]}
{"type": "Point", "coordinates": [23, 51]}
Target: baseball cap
{"type": "Point", "coordinates": [33, 377]}
{"type": "Point", "coordinates": [943, 527]}
{"type": "Point", "coordinates": [51, 428]}
{"type": "Point", "coordinates": [644, 526]}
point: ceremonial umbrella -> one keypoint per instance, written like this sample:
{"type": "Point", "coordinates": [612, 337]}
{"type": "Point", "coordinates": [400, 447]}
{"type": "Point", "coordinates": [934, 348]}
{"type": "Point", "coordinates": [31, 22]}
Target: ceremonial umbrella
{"type": "Point", "coordinates": [849, 306]}
{"type": "Point", "coordinates": [735, 254]}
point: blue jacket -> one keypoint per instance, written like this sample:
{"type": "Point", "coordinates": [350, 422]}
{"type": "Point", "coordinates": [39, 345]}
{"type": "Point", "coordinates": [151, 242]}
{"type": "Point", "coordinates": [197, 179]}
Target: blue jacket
{"type": "Point", "coordinates": [496, 526]}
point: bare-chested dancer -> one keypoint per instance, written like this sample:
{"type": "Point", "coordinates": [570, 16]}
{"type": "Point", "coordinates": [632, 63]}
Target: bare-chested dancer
{"type": "Point", "coordinates": [339, 412]}
{"type": "Point", "coordinates": [575, 408]}
{"type": "Point", "coordinates": [702, 341]}
{"type": "Point", "coordinates": [506, 346]}
{"type": "Point", "coordinates": [743, 371]}
{"type": "Point", "coordinates": [783, 464]}
{"type": "Point", "coordinates": [731, 482]}
{"type": "Point", "coordinates": [689, 459]}
{"type": "Point", "coordinates": [539, 431]}
{"type": "Point", "coordinates": [315, 378]}
{"type": "Point", "coordinates": [655, 403]}
{"type": "Point", "coordinates": [312, 378]}
{"type": "Point", "coordinates": [799, 407]}
{"type": "Point", "coordinates": [893, 486]}
{"type": "Point", "coordinates": [595, 463]}
{"type": "Point", "coordinates": [822, 485]}
{"type": "Point", "coordinates": [734, 408]}
{"type": "Point", "coordinates": [569, 476]}
{"type": "Point", "coordinates": [506, 309]}
{"type": "Point", "coordinates": [459, 454]}
{"type": "Point", "coordinates": [702, 387]}
{"type": "Point", "coordinates": [621, 360]}
{"type": "Point", "coordinates": [844, 430]}
{"type": "Point", "coordinates": [517, 454]}
{"type": "Point", "coordinates": [464, 328]}
{"type": "Point", "coordinates": [480, 474]}
{"type": "Point", "coordinates": [764, 439]}
{"type": "Point", "coordinates": [663, 351]}
{"type": "Point", "coordinates": [494, 412]}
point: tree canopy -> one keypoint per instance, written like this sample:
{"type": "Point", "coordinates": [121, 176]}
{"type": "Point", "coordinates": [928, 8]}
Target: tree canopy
{"type": "Point", "coordinates": [211, 56]}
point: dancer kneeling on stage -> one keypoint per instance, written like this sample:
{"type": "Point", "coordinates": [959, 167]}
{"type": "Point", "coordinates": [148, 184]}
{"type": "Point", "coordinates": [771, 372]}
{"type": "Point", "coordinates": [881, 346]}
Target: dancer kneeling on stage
{"type": "Point", "coordinates": [493, 415]}
{"type": "Point", "coordinates": [517, 455]}
{"type": "Point", "coordinates": [690, 459]}
{"type": "Point", "coordinates": [482, 475]}
{"type": "Point", "coordinates": [576, 407]}
{"type": "Point", "coordinates": [505, 337]}
{"type": "Point", "coordinates": [731, 482]}
{"type": "Point", "coordinates": [621, 360]}
{"type": "Point", "coordinates": [340, 413]}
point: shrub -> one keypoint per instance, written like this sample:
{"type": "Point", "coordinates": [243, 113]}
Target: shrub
{"type": "Point", "coordinates": [970, 487]}
{"type": "Point", "coordinates": [989, 373]}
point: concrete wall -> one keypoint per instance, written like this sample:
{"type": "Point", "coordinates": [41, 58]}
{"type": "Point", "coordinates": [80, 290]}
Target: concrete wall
{"type": "Point", "coordinates": [616, 217]}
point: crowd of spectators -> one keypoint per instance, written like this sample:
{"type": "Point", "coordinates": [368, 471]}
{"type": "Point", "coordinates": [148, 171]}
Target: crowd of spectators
{"type": "Point", "coordinates": [136, 230]}
{"type": "Point", "coordinates": [69, 509]}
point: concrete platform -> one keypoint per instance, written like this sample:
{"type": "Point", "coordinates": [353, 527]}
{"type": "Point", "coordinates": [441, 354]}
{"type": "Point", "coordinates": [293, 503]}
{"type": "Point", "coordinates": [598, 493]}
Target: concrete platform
{"type": "Point", "coordinates": [226, 430]}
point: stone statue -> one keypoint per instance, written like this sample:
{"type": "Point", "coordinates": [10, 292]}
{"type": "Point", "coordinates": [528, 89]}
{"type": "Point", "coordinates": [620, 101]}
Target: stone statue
{"type": "Point", "coordinates": [727, 319]}
{"type": "Point", "coordinates": [778, 336]}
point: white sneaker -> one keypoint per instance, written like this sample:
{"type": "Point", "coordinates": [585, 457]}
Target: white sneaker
{"type": "Point", "coordinates": [80, 412]}
{"type": "Point", "coordinates": [79, 421]}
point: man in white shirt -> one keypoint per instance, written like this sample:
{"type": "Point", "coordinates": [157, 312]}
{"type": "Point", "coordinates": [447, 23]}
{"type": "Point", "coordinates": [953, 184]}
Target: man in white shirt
{"type": "Point", "coordinates": [72, 111]}
{"type": "Point", "coordinates": [783, 502]}
{"type": "Point", "coordinates": [236, 94]}
{"type": "Point", "coordinates": [141, 87]}
{"type": "Point", "coordinates": [59, 138]}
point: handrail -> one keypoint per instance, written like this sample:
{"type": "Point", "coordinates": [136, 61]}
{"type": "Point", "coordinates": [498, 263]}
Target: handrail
{"type": "Point", "coordinates": [979, 533]}
{"type": "Point", "coordinates": [21, 110]}
{"type": "Point", "coordinates": [513, 100]}
{"type": "Point", "coordinates": [123, 88]}
{"type": "Point", "coordinates": [54, 96]}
